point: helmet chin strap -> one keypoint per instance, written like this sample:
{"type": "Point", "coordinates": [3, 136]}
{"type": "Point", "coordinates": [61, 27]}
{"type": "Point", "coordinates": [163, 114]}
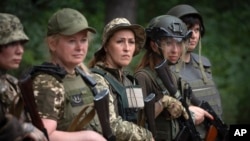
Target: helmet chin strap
{"type": "Point", "coordinates": [157, 43]}
{"type": "Point", "coordinates": [161, 52]}
{"type": "Point", "coordinates": [201, 64]}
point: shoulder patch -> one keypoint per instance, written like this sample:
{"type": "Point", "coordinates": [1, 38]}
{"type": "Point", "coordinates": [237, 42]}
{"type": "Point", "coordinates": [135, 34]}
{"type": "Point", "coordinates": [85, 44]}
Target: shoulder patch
{"type": "Point", "coordinates": [205, 61]}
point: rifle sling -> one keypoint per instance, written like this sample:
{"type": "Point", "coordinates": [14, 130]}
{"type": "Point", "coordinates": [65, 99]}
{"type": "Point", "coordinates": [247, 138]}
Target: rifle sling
{"type": "Point", "coordinates": [78, 123]}
{"type": "Point", "coordinates": [26, 88]}
{"type": "Point", "coordinates": [155, 79]}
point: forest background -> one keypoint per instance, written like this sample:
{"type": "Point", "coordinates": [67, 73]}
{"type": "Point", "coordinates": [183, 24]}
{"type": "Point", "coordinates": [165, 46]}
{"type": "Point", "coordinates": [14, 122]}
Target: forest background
{"type": "Point", "coordinates": [225, 42]}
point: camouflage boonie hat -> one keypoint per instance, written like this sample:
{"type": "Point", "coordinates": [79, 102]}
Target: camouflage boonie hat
{"type": "Point", "coordinates": [68, 21]}
{"type": "Point", "coordinates": [11, 29]}
{"type": "Point", "coordinates": [122, 23]}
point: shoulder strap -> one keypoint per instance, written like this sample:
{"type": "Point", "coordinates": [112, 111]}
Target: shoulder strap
{"type": "Point", "coordinates": [204, 60]}
{"type": "Point", "coordinates": [123, 101]}
{"type": "Point", "coordinates": [89, 80]}
{"type": "Point", "coordinates": [155, 79]}
{"type": "Point", "coordinates": [113, 82]}
{"type": "Point", "coordinates": [149, 73]}
{"type": "Point", "coordinates": [200, 64]}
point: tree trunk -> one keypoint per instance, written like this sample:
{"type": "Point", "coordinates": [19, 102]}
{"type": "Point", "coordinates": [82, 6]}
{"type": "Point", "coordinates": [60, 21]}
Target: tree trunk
{"type": "Point", "coordinates": [121, 8]}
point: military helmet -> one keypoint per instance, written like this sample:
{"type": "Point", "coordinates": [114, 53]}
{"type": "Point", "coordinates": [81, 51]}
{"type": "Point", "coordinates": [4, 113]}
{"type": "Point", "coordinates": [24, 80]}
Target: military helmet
{"type": "Point", "coordinates": [184, 10]}
{"type": "Point", "coordinates": [11, 29]}
{"type": "Point", "coordinates": [167, 26]}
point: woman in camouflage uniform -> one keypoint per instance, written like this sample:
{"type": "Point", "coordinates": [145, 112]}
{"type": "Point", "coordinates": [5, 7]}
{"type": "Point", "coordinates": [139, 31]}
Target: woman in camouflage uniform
{"type": "Point", "coordinates": [60, 90]}
{"type": "Point", "coordinates": [120, 42]}
{"type": "Point", "coordinates": [12, 40]}
{"type": "Point", "coordinates": [166, 36]}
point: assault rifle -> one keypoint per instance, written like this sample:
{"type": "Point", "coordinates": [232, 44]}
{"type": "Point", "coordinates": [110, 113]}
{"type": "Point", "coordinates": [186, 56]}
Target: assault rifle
{"type": "Point", "coordinates": [149, 102]}
{"type": "Point", "coordinates": [101, 101]}
{"type": "Point", "coordinates": [217, 129]}
{"type": "Point", "coordinates": [25, 85]}
{"type": "Point", "coordinates": [188, 131]}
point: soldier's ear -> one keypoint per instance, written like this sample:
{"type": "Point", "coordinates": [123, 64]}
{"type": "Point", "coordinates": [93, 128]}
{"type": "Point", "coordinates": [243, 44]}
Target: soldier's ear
{"type": "Point", "coordinates": [154, 46]}
{"type": "Point", "coordinates": [51, 44]}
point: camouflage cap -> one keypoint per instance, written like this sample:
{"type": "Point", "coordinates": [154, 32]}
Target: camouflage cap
{"type": "Point", "coordinates": [11, 29]}
{"type": "Point", "coordinates": [68, 21]}
{"type": "Point", "coordinates": [122, 23]}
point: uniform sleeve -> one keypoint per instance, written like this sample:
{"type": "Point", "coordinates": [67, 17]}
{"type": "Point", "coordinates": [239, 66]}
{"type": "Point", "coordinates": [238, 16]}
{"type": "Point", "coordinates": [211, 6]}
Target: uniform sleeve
{"type": "Point", "coordinates": [49, 96]}
{"type": "Point", "coordinates": [101, 84]}
{"type": "Point", "coordinates": [125, 130]}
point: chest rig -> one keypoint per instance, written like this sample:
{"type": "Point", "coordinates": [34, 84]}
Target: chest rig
{"type": "Point", "coordinates": [79, 112]}
{"type": "Point", "coordinates": [127, 106]}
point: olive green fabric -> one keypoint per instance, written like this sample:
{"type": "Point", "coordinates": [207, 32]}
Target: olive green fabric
{"type": "Point", "coordinates": [77, 94]}
{"type": "Point", "coordinates": [67, 21]}
{"type": "Point", "coordinates": [166, 129]}
{"type": "Point", "coordinates": [62, 98]}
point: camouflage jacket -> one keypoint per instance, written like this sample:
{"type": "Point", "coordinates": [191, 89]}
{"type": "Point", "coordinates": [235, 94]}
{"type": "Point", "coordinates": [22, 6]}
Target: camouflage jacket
{"type": "Point", "coordinates": [10, 128]}
{"type": "Point", "coordinates": [123, 130]}
{"type": "Point", "coordinates": [9, 93]}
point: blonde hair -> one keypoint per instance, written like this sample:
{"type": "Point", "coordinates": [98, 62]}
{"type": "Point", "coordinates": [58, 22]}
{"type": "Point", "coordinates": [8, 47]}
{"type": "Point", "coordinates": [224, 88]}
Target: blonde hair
{"type": "Point", "coordinates": [56, 37]}
{"type": "Point", "coordinates": [84, 68]}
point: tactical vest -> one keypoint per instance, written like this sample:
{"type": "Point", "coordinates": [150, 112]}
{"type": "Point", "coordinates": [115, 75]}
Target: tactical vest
{"type": "Point", "coordinates": [77, 95]}
{"type": "Point", "coordinates": [124, 110]}
{"type": "Point", "coordinates": [166, 129]}
{"type": "Point", "coordinates": [203, 90]}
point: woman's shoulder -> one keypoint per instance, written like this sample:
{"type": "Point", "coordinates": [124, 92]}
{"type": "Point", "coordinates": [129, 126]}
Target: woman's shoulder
{"type": "Point", "coordinates": [144, 72]}
{"type": "Point", "coordinates": [205, 61]}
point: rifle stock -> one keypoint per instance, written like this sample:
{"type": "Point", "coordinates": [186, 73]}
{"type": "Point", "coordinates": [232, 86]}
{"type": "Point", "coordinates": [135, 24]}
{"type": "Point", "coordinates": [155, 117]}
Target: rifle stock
{"type": "Point", "coordinates": [188, 130]}
{"type": "Point", "coordinates": [25, 86]}
{"type": "Point", "coordinates": [220, 126]}
{"type": "Point", "coordinates": [149, 102]}
{"type": "Point", "coordinates": [101, 101]}
{"type": "Point", "coordinates": [211, 134]}
{"type": "Point", "coordinates": [164, 73]}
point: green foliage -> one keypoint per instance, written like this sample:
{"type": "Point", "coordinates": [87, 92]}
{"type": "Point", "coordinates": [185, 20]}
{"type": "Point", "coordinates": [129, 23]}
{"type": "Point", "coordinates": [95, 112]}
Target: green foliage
{"type": "Point", "coordinates": [226, 44]}
{"type": "Point", "coordinates": [225, 41]}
